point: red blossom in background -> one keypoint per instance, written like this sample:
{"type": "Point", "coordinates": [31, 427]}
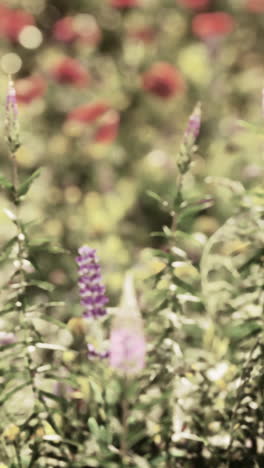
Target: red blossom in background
{"type": "Point", "coordinates": [207, 25]}
{"type": "Point", "coordinates": [255, 5]}
{"type": "Point", "coordinates": [70, 71]}
{"type": "Point", "coordinates": [63, 30]}
{"type": "Point", "coordinates": [88, 112]}
{"type": "Point", "coordinates": [163, 80]}
{"type": "Point", "coordinates": [12, 21]}
{"type": "Point", "coordinates": [195, 4]}
{"type": "Point", "coordinates": [146, 34]}
{"type": "Point", "coordinates": [30, 88]}
{"type": "Point", "coordinates": [81, 28]}
{"type": "Point", "coordinates": [100, 114]}
{"type": "Point", "coordinates": [108, 129]}
{"type": "Point", "coordinates": [123, 4]}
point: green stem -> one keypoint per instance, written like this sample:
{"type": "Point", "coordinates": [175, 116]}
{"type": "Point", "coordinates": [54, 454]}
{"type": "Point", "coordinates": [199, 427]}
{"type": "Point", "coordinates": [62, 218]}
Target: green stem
{"type": "Point", "coordinates": [125, 412]}
{"type": "Point", "coordinates": [15, 179]}
{"type": "Point", "coordinates": [19, 460]}
{"type": "Point", "coordinates": [21, 309]}
{"type": "Point", "coordinates": [176, 198]}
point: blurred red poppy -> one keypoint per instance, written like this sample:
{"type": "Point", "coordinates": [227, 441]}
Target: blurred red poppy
{"type": "Point", "coordinates": [108, 128]}
{"type": "Point", "coordinates": [80, 27]}
{"type": "Point", "coordinates": [63, 30]}
{"type": "Point", "coordinates": [195, 4]}
{"type": "Point", "coordinates": [12, 21]}
{"type": "Point", "coordinates": [88, 112]}
{"type": "Point", "coordinates": [102, 116]}
{"type": "Point", "coordinates": [30, 88]}
{"type": "Point", "coordinates": [70, 71]}
{"type": "Point", "coordinates": [124, 3]}
{"type": "Point", "coordinates": [145, 34]}
{"type": "Point", "coordinates": [206, 25]}
{"type": "Point", "coordinates": [163, 80]}
{"type": "Point", "coordinates": [255, 5]}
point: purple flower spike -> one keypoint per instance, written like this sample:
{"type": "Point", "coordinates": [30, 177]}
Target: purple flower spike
{"type": "Point", "coordinates": [194, 124]}
{"type": "Point", "coordinates": [92, 290]}
{"type": "Point", "coordinates": [188, 148]}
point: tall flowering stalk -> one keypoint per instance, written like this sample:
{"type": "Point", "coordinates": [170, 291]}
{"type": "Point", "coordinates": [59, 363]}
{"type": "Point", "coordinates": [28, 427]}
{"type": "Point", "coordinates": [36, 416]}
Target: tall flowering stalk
{"type": "Point", "coordinates": [127, 339]}
{"type": "Point", "coordinates": [27, 340]}
{"type": "Point", "coordinates": [127, 349]}
{"type": "Point", "coordinates": [12, 132]}
{"type": "Point", "coordinates": [191, 133]}
{"type": "Point", "coordinates": [93, 296]}
{"type": "Point", "coordinates": [12, 123]}
{"type": "Point", "coordinates": [21, 264]}
{"type": "Point", "coordinates": [186, 152]}
{"type": "Point", "coordinates": [92, 290]}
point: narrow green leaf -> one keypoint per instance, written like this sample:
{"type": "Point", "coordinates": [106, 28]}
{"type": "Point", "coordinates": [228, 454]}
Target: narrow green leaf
{"type": "Point", "coordinates": [5, 183]}
{"type": "Point", "coordinates": [24, 187]}
{"type": "Point", "coordinates": [54, 304]}
{"type": "Point", "coordinates": [93, 426]}
{"type": "Point", "coordinates": [6, 249]}
{"type": "Point", "coordinates": [252, 127]}
{"type": "Point", "coordinates": [42, 285]}
{"type": "Point", "coordinates": [154, 195]}
{"type": "Point", "coordinates": [66, 380]}
{"type": "Point", "coordinates": [7, 308]}
{"type": "Point", "coordinates": [13, 391]}
{"type": "Point", "coordinates": [52, 396]}
{"type": "Point", "coordinates": [46, 246]}
{"type": "Point", "coordinates": [52, 320]}
{"type": "Point", "coordinates": [191, 210]}
{"type": "Point", "coordinates": [182, 284]}
{"type": "Point", "coordinates": [134, 438]}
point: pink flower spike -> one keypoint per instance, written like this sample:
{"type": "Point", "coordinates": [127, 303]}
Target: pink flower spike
{"type": "Point", "coordinates": [127, 350]}
{"type": "Point", "coordinates": [11, 101]}
{"type": "Point", "coordinates": [11, 122]}
{"type": "Point", "coordinates": [127, 339]}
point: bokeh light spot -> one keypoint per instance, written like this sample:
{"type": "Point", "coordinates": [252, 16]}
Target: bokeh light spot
{"type": "Point", "coordinates": [30, 37]}
{"type": "Point", "coordinates": [11, 63]}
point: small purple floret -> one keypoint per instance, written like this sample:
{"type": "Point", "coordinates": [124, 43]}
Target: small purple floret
{"type": "Point", "coordinates": [93, 353]}
{"type": "Point", "coordinates": [92, 290]}
{"type": "Point", "coordinates": [7, 338]}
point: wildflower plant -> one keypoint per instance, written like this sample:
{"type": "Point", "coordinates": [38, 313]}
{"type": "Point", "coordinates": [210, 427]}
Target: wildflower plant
{"type": "Point", "coordinates": [24, 383]}
{"type": "Point", "coordinates": [205, 300]}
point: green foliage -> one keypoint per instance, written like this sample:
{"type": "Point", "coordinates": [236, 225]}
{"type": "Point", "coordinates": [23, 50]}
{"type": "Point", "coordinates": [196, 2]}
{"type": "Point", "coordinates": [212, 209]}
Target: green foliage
{"type": "Point", "coordinates": [187, 218]}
